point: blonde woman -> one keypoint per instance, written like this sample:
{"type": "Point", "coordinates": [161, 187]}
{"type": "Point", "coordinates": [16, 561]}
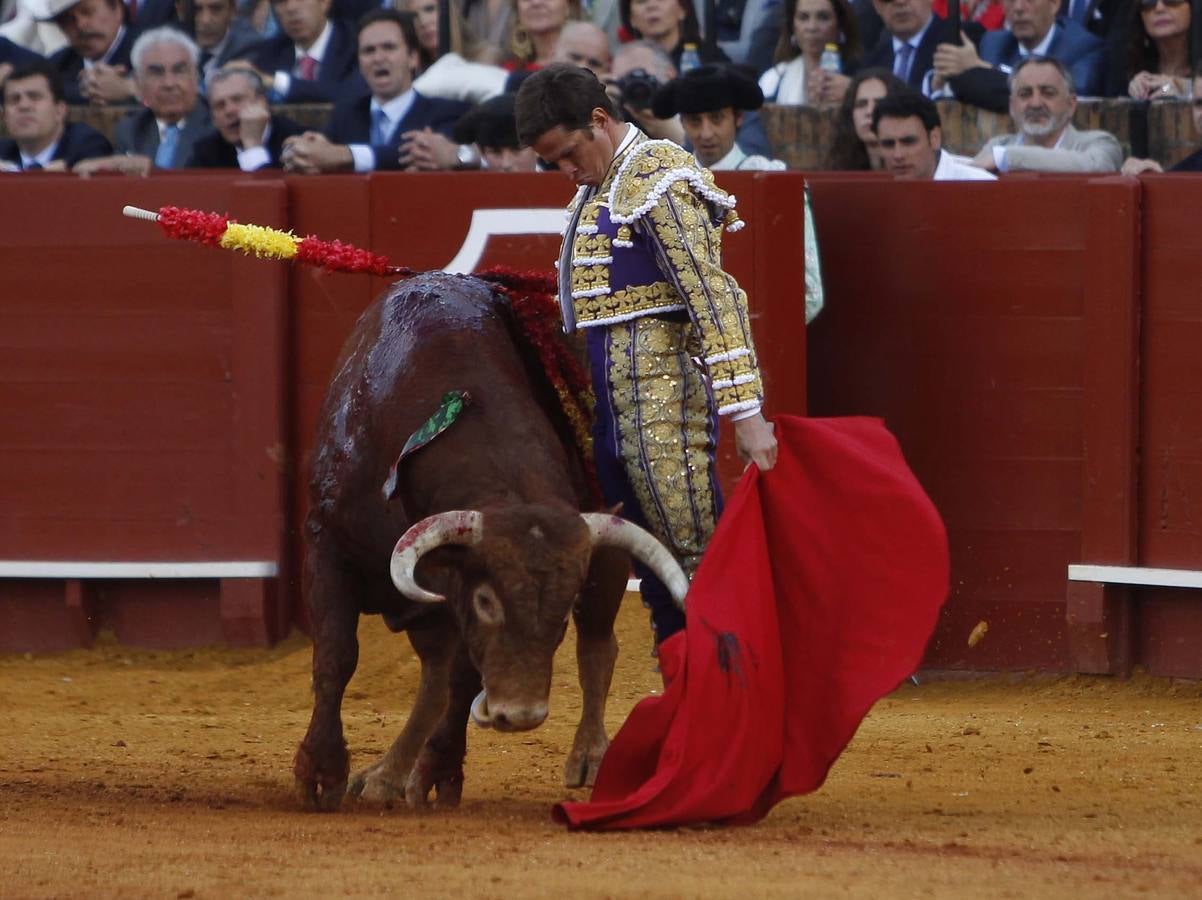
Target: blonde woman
{"type": "Point", "coordinates": [536, 31]}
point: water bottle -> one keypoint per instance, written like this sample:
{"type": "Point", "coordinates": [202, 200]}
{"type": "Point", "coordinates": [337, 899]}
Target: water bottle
{"type": "Point", "coordinates": [689, 58]}
{"type": "Point", "coordinates": [830, 60]}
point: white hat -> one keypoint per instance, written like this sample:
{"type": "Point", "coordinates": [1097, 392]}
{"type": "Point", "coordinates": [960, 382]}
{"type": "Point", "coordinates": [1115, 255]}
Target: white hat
{"type": "Point", "coordinates": [48, 10]}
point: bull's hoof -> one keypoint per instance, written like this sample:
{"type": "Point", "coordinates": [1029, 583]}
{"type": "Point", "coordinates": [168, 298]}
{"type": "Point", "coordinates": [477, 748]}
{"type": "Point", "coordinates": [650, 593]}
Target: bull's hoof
{"type": "Point", "coordinates": [318, 788]}
{"type": "Point", "coordinates": [375, 785]}
{"type": "Point", "coordinates": [583, 763]}
{"type": "Point", "coordinates": [320, 797]}
{"type": "Point", "coordinates": [446, 785]}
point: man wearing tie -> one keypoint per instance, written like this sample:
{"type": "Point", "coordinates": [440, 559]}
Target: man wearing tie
{"type": "Point", "coordinates": [312, 60]}
{"type": "Point", "coordinates": [1033, 29]}
{"type": "Point", "coordinates": [35, 117]}
{"type": "Point", "coordinates": [365, 133]}
{"type": "Point", "coordinates": [907, 44]}
{"type": "Point", "coordinates": [162, 134]}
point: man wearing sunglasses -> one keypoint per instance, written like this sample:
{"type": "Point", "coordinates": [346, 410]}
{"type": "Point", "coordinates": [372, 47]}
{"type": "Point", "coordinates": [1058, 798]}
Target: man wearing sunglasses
{"type": "Point", "coordinates": [979, 76]}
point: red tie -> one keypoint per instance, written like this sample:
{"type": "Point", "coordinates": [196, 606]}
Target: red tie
{"type": "Point", "coordinates": [307, 67]}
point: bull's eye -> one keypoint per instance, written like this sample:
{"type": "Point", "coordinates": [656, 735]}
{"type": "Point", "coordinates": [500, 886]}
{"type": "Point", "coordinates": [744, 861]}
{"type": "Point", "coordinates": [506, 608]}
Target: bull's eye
{"type": "Point", "coordinates": [488, 607]}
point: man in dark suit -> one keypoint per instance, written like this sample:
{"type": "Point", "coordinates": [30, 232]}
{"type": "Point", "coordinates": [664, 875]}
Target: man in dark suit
{"type": "Point", "coordinates": [247, 135]}
{"type": "Point", "coordinates": [980, 76]}
{"type": "Point", "coordinates": [907, 43]}
{"type": "Point", "coordinates": [95, 64]}
{"type": "Point", "coordinates": [1097, 16]}
{"type": "Point", "coordinates": [147, 14]}
{"type": "Point", "coordinates": [312, 60]}
{"type": "Point", "coordinates": [219, 33]}
{"type": "Point", "coordinates": [13, 55]}
{"type": "Point", "coordinates": [365, 134]}
{"type": "Point", "coordinates": [35, 116]}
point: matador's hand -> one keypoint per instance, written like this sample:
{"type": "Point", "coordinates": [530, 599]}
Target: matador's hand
{"type": "Point", "coordinates": [755, 441]}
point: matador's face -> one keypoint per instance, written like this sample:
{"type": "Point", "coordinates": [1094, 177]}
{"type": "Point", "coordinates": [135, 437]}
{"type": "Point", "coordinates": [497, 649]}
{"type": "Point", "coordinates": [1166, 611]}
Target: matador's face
{"type": "Point", "coordinates": [583, 154]}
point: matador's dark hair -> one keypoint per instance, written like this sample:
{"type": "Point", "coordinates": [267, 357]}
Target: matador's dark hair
{"type": "Point", "coordinates": [560, 94]}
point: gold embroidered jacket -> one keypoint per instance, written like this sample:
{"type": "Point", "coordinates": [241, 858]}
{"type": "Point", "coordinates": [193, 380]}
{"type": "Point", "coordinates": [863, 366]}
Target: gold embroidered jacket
{"type": "Point", "coordinates": [649, 242]}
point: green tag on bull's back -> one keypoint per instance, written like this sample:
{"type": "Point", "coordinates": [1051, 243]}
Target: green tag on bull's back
{"type": "Point", "coordinates": [453, 403]}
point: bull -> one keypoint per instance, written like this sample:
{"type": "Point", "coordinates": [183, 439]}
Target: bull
{"type": "Point", "coordinates": [486, 541]}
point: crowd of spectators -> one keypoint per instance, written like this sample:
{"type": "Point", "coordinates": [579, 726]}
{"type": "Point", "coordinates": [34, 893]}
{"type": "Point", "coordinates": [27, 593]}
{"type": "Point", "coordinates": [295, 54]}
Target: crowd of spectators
{"type": "Point", "coordinates": [202, 79]}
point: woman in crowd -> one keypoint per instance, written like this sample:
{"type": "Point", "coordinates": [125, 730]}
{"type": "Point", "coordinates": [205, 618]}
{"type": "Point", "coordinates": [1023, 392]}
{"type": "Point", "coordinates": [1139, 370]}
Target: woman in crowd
{"type": "Point", "coordinates": [536, 29]}
{"type": "Point", "coordinates": [854, 146]}
{"type": "Point", "coordinates": [491, 21]}
{"type": "Point", "coordinates": [808, 26]}
{"type": "Point", "coordinates": [672, 24]}
{"type": "Point", "coordinates": [463, 40]}
{"type": "Point", "coordinates": [538, 24]}
{"type": "Point", "coordinates": [1160, 52]}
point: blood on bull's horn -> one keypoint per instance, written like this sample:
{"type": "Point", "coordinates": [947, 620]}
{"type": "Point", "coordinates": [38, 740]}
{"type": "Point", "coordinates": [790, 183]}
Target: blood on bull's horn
{"type": "Point", "coordinates": [456, 526]}
{"type": "Point", "coordinates": [613, 531]}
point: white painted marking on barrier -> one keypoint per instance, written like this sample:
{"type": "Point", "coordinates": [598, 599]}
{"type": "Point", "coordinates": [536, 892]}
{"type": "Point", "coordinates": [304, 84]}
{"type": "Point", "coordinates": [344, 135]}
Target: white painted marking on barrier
{"type": "Point", "coordinates": [1138, 575]}
{"type": "Point", "coordinates": [489, 222]}
{"type": "Point", "coordinates": [53, 569]}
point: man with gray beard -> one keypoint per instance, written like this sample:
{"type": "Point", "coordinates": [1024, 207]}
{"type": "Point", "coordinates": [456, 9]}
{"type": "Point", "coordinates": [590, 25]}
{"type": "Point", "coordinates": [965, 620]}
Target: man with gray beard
{"type": "Point", "coordinates": [1042, 102]}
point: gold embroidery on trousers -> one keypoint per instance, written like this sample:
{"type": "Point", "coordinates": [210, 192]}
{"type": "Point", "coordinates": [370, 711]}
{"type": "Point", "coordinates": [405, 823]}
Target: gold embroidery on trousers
{"type": "Point", "coordinates": [662, 407]}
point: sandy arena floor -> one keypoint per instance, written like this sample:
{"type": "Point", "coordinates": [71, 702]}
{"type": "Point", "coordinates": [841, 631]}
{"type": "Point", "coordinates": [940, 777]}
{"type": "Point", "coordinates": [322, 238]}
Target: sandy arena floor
{"type": "Point", "coordinates": [130, 773]}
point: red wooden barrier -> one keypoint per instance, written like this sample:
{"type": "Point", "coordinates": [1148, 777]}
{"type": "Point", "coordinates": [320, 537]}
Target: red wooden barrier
{"type": "Point", "coordinates": [960, 314]}
{"type": "Point", "coordinates": [159, 399]}
{"type": "Point", "coordinates": [1170, 433]}
{"type": "Point", "coordinates": [143, 410]}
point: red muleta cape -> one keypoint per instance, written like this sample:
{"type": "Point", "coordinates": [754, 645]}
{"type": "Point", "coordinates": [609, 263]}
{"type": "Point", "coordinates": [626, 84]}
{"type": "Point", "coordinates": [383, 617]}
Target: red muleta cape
{"type": "Point", "coordinates": [815, 597]}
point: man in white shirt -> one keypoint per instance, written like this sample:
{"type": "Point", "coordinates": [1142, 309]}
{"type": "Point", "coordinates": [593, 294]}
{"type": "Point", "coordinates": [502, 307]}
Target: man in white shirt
{"type": "Point", "coordinates": [311, 60]}
{"type": "Point", "coordinates": [1042, 103]}
{"type": "Point", "coordinates": [911, 140]}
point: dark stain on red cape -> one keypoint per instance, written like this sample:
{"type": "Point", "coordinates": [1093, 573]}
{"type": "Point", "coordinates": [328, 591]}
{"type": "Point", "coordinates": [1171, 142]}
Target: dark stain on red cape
{"type": "Point", "coordinates": [815, 598]}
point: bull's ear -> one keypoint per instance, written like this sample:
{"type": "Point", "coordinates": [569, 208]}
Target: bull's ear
{"type": "Point", "coordinates": [487, 606]}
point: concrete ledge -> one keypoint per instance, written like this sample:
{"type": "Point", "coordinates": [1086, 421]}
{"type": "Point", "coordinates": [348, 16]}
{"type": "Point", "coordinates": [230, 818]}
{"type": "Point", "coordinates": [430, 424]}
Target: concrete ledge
{"type": "Point", "coordinates": [1136, 575]}
{"type": "Point", "coordinates": [114, 570]}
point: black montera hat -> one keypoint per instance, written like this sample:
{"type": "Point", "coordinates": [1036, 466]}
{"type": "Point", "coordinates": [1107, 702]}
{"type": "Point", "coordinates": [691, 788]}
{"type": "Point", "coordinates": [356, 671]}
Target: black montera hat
{"type": "Point", "coordinates": [491, 124]}
{"type": "Point", "coordinates": [708, 88]}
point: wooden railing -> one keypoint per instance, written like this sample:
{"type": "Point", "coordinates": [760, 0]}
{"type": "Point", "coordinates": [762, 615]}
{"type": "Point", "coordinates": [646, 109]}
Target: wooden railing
{"type": "Point", "coordinates": [801, 135]}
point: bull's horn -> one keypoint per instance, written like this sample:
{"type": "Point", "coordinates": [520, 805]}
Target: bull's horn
{"type": "Point", "coordinates": [612, 531]}
{"type": "Point", "coordinates": [456, 526]}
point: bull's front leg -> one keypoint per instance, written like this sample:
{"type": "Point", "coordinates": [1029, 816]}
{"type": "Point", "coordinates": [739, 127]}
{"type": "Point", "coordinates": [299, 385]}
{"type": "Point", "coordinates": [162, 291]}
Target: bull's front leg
{"type": "Point", "coordinates": [596, 653]}
{"type": "Point", "coordinates": [439, 767]}
{"type": "Point", "coordinates": [385, 781]}
{"type": "Point", "coordinates": [322, 763]}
